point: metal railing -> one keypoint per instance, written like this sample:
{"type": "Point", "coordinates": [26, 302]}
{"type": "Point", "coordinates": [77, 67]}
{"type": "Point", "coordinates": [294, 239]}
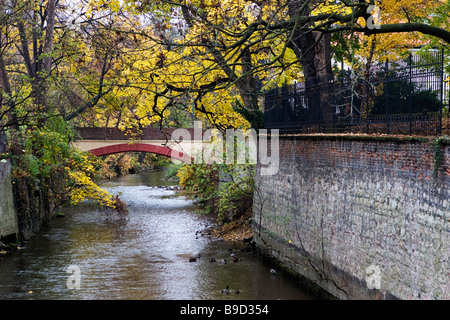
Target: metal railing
{"type": "Point", "coordinates": [412, 99]}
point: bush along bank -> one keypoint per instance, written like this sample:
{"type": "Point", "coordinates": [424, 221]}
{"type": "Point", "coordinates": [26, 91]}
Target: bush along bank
{"type": "Point", "coordinates": [48, 173]}
{"type": "Point", "coordinates": [224, 192]}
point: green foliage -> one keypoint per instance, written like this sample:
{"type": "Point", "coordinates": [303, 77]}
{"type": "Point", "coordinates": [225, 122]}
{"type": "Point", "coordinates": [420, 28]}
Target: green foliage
{"type": "Point", "coordinates": [446, 112]}
{"type": "Point", "coordinates": [236, 196]}
{"type": "Point", "coordinates": [423, 100]}
{"type": "Point", "coordinates": [223, 190]}
{"type": "Point", "coordinates": [132, 162]}
{"type": "Point", "coordinates": [200, 181]}
{"type": "Point", "coordinates": [58, 125]}
{"type": "Point", "coordinates": [45, 151]}
{"type": "Point", "coordinates": [437, 155]}
{"type": "Point", "coordinates": [172, 171]}
{"type": "Point", "coordinates": [49, 158]}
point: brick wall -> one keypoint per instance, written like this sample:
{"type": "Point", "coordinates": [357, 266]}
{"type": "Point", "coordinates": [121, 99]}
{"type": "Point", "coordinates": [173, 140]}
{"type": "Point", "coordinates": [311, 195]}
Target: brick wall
{"type": "Point", "coordinates": [362, 217]}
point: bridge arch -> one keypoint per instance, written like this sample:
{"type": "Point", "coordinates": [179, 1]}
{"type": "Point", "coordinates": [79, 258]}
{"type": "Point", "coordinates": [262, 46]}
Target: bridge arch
{"type": "Point", "coordinates": [141, 147]}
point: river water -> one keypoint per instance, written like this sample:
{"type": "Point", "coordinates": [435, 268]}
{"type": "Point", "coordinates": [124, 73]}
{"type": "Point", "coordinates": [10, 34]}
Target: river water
{"type": "Point", "coordinates": [90, 255]}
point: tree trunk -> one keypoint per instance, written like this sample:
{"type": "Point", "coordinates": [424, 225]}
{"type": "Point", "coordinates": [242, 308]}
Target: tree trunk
{"type": "Point", "coordinates": [38, 66]}
{"type": "Point", "coordinates": [12, 121]}
{"type": "Point", "coordinates": [249, 92]}
{"type": "Point", "coordinates": [322, 63]}
{"type": "Point", "coordinates": [313, 50]}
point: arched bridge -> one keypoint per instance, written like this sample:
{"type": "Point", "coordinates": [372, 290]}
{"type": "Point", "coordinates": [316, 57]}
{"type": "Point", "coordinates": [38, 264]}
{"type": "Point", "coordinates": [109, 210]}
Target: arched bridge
{"type": "Point", "coordinates": [105, 141]}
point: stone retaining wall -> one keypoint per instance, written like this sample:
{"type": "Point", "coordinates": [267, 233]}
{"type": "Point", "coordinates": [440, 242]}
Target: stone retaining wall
{"type": "Point", "coordinates": [361, 217]}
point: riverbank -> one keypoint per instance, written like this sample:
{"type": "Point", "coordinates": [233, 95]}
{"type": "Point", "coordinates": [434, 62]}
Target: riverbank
{"type": "Point", "coordinates": [239, 230]}
{"type": "Point", "coordinates": [235, 231]}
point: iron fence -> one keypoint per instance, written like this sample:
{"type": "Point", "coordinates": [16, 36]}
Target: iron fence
{"type": "Point", "coordinates": [410, 99]}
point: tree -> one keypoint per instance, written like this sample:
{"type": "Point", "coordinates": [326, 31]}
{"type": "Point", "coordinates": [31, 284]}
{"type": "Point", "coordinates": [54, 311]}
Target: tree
{"type": "Point", "coordinates": [207, 75]}
{"type": "Point", "coordinates": [237, 48]}
{"type": "Point", "coordinates": [37, 55]}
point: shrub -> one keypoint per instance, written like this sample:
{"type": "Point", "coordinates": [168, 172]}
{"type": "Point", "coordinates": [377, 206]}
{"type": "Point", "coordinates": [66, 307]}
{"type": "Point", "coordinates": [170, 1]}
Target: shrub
{"type": "Point", "coordinates": [223, 190]}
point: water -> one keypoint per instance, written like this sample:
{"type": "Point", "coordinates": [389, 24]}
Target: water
{"type": "Point", "coordinates": [145, 257]}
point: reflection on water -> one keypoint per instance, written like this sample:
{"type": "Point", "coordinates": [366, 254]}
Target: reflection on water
{"type": "Point", "coordinates": [144, 257]}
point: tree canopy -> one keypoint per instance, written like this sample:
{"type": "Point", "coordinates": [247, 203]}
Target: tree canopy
{"type": "Point", "coordinates": [218, 57]}
{"type": "Point", "coordinates": [132, 64]}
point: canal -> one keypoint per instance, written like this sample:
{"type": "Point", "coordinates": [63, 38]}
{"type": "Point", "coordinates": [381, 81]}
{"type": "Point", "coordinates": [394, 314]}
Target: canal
{"type": "Point", "coordinates": [145, 257]}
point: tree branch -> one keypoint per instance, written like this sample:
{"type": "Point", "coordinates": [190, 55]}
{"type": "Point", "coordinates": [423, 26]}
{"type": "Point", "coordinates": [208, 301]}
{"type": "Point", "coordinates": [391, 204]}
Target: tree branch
{"type": "Point", "coordinates": [396, 28]}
